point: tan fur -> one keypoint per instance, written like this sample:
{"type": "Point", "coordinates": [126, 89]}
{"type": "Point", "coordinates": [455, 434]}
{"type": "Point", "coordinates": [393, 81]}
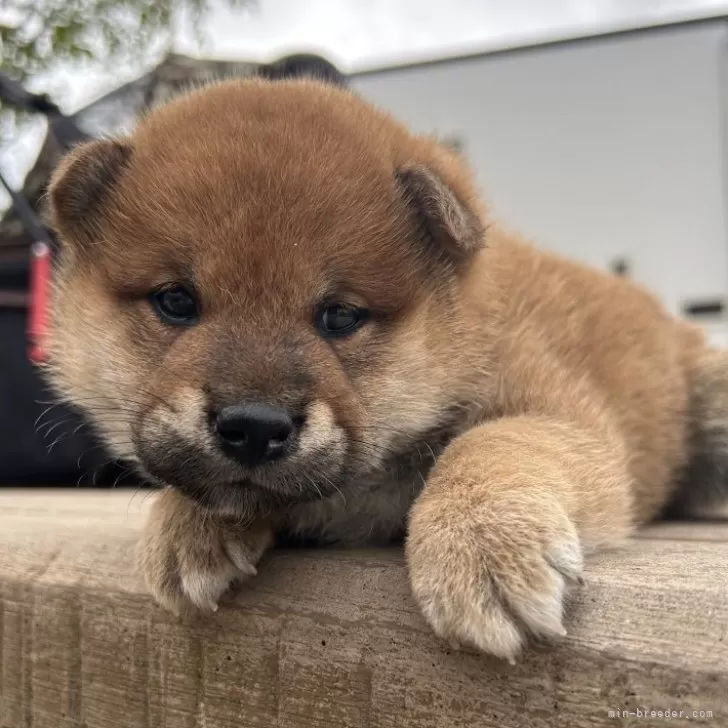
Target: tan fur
{"type": "Point", "coordinates": [191, 557]}
{"type": "Point", "coordinates": [518, 409]}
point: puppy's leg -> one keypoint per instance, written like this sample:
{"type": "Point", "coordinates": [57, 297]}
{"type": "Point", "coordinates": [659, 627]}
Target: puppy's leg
{"type": "Point", "coordinates": [190, 557]}
{"type": "Point", "coordinates": [502, 525]}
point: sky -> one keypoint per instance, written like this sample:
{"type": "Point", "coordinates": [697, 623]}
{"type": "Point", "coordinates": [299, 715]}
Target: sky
{"type": "Point", "coordinates": [359, 34]}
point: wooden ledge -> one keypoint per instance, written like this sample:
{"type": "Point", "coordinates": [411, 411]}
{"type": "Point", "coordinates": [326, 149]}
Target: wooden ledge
{"type": "Point", "coordinates": [332, 638]}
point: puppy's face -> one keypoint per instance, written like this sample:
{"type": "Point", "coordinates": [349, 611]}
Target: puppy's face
{"type": "Point", "coordinates": [259, 293]}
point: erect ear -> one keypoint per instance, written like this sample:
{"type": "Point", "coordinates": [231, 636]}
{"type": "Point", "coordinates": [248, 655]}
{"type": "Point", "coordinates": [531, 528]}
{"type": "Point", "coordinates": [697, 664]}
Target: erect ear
{"type": "Point", "coordinates": [451, 224]}
{"type": "Point", "coordinates": [80, 187]}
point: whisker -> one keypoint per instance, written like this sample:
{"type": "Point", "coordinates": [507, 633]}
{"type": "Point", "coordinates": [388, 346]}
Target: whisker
{"type": "Point", "coordinates": [76, 430]}
{"type": "Point", "coordinates": [47, 433]}
{"type": "Point", "coordinates": [313, 483]}
{"type": "Point", "coordinates": [45, 411]}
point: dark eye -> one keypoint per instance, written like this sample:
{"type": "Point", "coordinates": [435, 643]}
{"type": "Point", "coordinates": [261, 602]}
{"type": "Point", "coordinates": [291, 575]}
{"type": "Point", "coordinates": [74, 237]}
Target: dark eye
{"type": "Point", "coordinates": [338, 319]}
{"type": "Point", "coordinates": [175, 305]}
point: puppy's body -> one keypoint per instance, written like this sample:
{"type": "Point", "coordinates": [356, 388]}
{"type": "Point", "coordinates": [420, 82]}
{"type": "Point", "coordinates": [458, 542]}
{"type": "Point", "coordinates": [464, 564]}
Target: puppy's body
{"type": "Point", "coordinates": [530, 408]}
{"type": "Point", "coordinates": [571, 342]}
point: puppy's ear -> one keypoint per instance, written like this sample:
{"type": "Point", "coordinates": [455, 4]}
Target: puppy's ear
{"type": "Point", "coordinates": [80, 187]}
{"type": "Point", "coordinates": [451, 225]}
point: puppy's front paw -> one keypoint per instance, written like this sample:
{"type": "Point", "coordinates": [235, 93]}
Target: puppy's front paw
{"type": "Point", "coordinates": [493, 575]}
{"type": "Point", "coordinates": [189, 557]}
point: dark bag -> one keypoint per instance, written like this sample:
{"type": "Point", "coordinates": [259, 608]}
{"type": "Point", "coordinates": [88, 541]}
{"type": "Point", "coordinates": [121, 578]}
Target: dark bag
{"type": "Point", "coordinates": [41, 442]}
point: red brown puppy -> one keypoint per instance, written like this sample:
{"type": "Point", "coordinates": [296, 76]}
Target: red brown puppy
{"type": "Point", "coordinates": [297, 316]}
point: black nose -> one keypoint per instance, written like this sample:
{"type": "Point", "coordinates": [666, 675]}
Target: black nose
{"type": "Point", "coordinates": [254, 433]}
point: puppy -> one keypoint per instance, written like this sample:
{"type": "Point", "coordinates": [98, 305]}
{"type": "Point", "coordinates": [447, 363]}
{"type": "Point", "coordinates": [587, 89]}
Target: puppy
{"type": "Point", "coordinates": [297, 317]}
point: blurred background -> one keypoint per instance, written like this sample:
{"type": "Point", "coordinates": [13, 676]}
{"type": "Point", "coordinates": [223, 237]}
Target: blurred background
{"type": "Point", "coordinates": [596, 127]}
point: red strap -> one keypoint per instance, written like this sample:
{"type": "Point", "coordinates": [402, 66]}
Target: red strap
{"type": "Point", "coordinates": [40, 285]}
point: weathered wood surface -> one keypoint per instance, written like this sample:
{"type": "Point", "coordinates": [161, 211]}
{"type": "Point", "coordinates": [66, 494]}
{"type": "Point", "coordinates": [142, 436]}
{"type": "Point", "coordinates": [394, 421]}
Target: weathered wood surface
{"type": "Point", "coordinates": [329, 638]}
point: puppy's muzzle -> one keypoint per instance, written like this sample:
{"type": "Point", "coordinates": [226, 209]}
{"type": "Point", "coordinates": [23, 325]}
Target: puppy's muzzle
{"type": "Point", "coordinates": [254, 433]}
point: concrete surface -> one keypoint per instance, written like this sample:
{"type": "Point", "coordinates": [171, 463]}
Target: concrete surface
{"type": "Point", "coordinates": [332, 638]}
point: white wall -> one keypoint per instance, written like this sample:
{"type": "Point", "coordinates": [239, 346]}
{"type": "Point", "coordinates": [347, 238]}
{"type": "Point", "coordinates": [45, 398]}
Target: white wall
{"type": "Point", "coordinates": [598, 149]}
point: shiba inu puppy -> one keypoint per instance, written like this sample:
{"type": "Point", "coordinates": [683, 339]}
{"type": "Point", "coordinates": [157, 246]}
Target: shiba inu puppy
{"type": "Point", "coordinates": [299, 318]}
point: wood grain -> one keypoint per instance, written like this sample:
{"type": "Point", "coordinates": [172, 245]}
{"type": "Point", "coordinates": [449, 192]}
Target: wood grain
{"type": "Point", "coordinates": [332, 638]}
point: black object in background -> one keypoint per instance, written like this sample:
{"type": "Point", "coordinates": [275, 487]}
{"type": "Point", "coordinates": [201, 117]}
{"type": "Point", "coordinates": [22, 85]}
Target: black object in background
{"type": "Point", "coordinates": [303, 65]}
{"type": "Point", "coordinates": [41, 443]}
{"type": "Point", "coordinates": [75, 458]}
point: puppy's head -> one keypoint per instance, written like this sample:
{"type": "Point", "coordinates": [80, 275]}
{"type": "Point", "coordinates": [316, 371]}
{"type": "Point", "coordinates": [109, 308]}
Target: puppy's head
{"type": "Point", "coordinates": [259, 295]}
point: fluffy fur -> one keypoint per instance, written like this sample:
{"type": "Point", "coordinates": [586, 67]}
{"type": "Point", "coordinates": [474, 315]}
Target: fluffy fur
{"type": "Point", "coordinates": [508, 409]}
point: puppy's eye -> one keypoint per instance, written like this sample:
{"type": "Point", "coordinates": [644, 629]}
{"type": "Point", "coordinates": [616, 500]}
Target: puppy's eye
{"type": "Point", "coordinates": [175, 305]}
{"type": "Point", "coordinates": [338, 319]}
